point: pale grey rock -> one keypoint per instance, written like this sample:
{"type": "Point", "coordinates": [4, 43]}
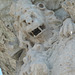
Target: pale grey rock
{"type": "Point", "coordinates": [35, 62]}
{"type": "Point", "coordinates": [69, 6]}
{"type": "Point", "coordinates": [4, 13]}
{"type": "Point", "coordinates": [50, 4]}
{"type": "Point", "coordinates": [7, 64]}
{"type": "Point", "coordinates": [63, 63]}
{"type": "Point", "coordinates": [53, 4]}
{"type": "Point", "coordinates": [32, 22]}
{"type": "Point", "coordinates": [41, 44]}
{"type": "Point", "coordinates": [41, 39]}
{"type": "Point", "coordinates": [68, 28]}
{"type": "Point", "coordinates": [61, 14]}
{"type": "Point", "coordinates": [34, 14]}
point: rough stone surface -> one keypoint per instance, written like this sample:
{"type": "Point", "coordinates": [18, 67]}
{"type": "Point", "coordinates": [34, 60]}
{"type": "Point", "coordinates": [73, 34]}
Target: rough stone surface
{"type": "Point", "coordinates": [64, 15]}
{"type": "Point", "coordinates": [7, 64]}
{"type": "Point", "coordinates": [50, 4]}
{"type": "Point", "coordinates": [69, 6]}
{"type": "Point", "coordinates": [38, 37]}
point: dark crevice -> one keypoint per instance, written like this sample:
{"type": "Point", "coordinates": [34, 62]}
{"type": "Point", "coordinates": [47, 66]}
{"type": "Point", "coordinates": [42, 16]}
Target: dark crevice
{"type": "Point", "coordinates": [36, 31]}
{"type": "Point", "coordinates": [41, 5]}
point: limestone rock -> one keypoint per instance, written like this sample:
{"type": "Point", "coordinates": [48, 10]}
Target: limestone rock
{"type": "Point", "coordinates": [26, 26]}
{"type": "Point", "coordinates": [7, 64]}
{"type": "Point", "coordinates": [50, 4]}
{"type": "Point", "coordinates": [4, 13]}
{"type": "Point", "coordinates": [39, 35]}
{"type": "Point", "coordinates": [61, 14]}
{"type": "Point", "coordinates": [69, 6]}
{"type": "Point", "coordinates": [68, 28]}
{"type": "Point", "coordinates": [64, 62]}
{"type": "Point", "coordinates": [35, 62]}
{"type": "Point", "coordinates": [37, 29]}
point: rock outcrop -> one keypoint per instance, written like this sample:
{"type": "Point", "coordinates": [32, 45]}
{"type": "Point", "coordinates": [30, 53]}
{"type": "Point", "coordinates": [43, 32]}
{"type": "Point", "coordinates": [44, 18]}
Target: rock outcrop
{"type": "Point", "coordinates": [7, 64]}
{"type": "Point", "coordinates": [38, 37]}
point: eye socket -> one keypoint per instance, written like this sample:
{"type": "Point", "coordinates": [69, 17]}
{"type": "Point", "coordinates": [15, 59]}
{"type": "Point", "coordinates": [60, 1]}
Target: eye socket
{"type": "Point", "coordinates": [41, 5]}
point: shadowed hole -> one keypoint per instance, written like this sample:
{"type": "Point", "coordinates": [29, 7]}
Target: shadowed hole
{"type": "Point", "coordinates": [36, 31]}
{"type": "Point", "coordinates": [41, 5]}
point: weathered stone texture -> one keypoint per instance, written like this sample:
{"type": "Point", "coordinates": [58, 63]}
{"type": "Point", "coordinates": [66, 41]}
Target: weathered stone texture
{"type": "Point", "coordinates": [39, 36]}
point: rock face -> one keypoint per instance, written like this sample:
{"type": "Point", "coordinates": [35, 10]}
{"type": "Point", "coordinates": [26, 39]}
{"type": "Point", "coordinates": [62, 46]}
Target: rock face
{"type": "Point", "coordinates": [7, 64]}
{"type": "Point", "coordinates": [69, 7]}
{"type": "Point", "coordinates": [40, 37]}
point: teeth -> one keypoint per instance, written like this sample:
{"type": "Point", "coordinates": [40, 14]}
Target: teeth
{"type": "Point", "coordinates": [36, 31]}
{"type": "Point", "coordinates": [68, 28]}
